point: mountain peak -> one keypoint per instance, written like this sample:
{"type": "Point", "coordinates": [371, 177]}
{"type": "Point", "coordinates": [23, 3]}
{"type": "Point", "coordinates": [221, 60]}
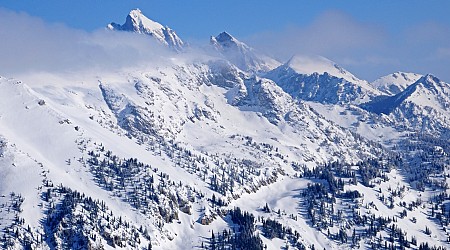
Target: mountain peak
{"type": "Point", "coordinates": [430, 83]}
{"type": "Point", "coordinates": [225, 41]}
{"type": "Point", "coordinates": [427, 91]}
{"type": "Point", "coordinates": [137, 22]}
{"type": "Point", "coordinates": [430, 78]}
{"type": "Point", "coordinates": [225, 36]}
{"type": "Point", "coordinates": [135, 12]}
{"type": "Point", "coordinates": [242, 55]}
{"type": "Point", "coordinates": [317, 64]}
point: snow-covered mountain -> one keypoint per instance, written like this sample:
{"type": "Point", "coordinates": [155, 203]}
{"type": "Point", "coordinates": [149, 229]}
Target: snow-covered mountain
{"type": "Point", "coordinates": [395, 83]}
{"type": "Point", "coordinates": [321, 80]}
{"type": "Point", "coordinates": [208, 151]}
{"type": "Point", "coordinates": [240, 54]}
{"type": "Point", "coordinates": [424, 105]}
{"type": "Point", "coordinates": [138, 23]}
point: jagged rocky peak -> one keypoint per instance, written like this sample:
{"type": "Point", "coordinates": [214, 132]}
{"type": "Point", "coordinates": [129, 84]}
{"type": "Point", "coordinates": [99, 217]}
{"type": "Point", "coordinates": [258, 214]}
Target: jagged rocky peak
{"type": "Point", "coordinates": [226, 41]}
{"type": "Point", "coordinates": [225, 36]}
{"type": "Point", "coordinates": [427, 87]}
{"type": "Point", "coordinates": [429, 91]}
{"type": "Point", "coordinates": [137, 22]}
{"type": "Point", "coordinates": [431, 81]}
{"type": "Point", "coordinates": [395, 83]}
{"type": "Point", "coordinates": [243, 56]}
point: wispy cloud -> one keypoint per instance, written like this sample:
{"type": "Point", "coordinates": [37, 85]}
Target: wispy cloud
{"type": "Point", "coordinates": [332, 32]}
{"type": "Point", "coordinates": [30, 45]}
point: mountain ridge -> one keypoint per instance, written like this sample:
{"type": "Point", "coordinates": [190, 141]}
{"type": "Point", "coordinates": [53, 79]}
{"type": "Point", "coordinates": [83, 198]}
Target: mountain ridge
{"type": "Point", "coordinates": [319, 79]}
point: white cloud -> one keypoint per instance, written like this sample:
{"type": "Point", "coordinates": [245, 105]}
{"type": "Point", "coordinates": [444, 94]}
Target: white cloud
{"type": "Point", "coordinates": [331, 32]}
{"type": "Point", "coordinates": [31, 45]}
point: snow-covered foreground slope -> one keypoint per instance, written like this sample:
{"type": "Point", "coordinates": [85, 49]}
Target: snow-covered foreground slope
{"type": "Point", "coordinates": [199, 129]}
{"type": "Point", "coordinates": [163, 154]}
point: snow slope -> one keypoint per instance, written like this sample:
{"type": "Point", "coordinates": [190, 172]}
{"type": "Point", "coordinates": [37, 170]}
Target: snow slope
{"type": "Point", "coordinates": [208, 108]}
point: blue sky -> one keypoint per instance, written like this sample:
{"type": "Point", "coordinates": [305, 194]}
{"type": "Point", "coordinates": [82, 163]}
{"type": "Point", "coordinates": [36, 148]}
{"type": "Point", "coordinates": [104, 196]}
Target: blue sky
{"type": "Point", "coordinates": [370, 38]}
{"type": "Point", "coordinates": [201, 18]}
